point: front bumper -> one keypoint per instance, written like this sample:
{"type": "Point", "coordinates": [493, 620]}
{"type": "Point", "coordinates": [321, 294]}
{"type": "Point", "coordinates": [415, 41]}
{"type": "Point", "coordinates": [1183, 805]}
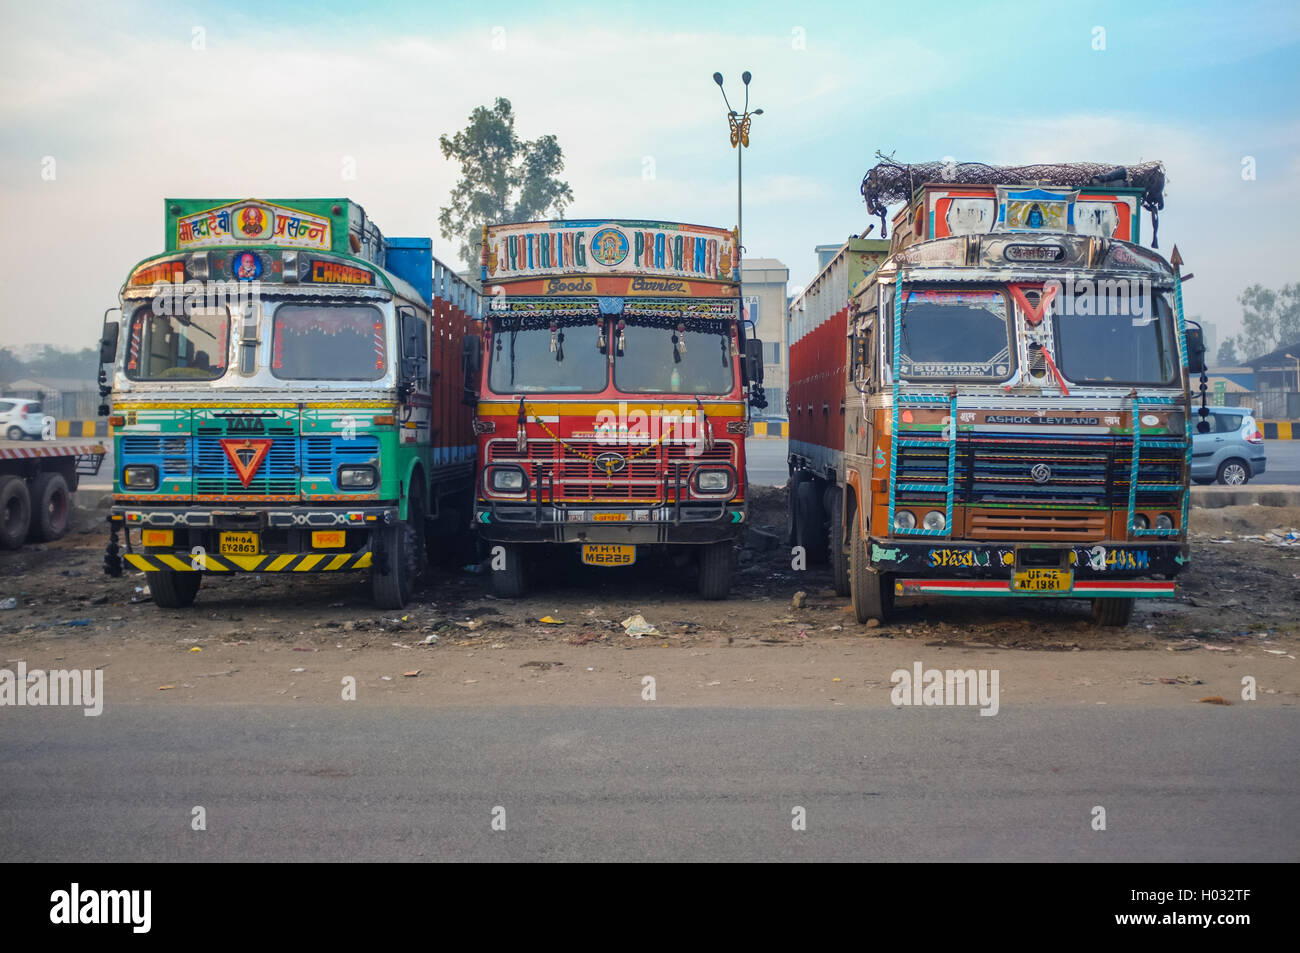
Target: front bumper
{"type": "Point", "coordinates": [1142, 570]}
{"type": "Point", "coordinates": [603, 523]}
{"type": "Point", "coordinates": [285, 535]}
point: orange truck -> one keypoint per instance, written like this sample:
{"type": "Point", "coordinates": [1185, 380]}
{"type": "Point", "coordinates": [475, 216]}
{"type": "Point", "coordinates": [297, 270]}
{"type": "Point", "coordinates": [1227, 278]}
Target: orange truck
{"type": "Point", "coordinates": [995, 402]}
{"type": "Point", "coordinates": [613, 377]}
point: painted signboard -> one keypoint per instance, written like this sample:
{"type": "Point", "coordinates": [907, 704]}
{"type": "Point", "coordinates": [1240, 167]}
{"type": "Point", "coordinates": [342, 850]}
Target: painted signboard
{"type": "Point", "coordinates": [663, 257]}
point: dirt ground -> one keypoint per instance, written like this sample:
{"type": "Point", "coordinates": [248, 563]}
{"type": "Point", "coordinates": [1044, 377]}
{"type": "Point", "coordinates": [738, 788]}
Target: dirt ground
{"type": "Point", "coordinates": [293, 638]}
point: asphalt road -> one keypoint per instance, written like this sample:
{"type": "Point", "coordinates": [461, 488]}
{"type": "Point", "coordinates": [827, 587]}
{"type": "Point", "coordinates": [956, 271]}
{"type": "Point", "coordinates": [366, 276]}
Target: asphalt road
{"type": "Point", "coordinates": [344, 783]}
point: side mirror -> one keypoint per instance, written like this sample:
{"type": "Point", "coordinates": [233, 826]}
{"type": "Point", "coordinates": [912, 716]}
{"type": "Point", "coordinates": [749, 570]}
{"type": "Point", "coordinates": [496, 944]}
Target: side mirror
{"type": "Point", "coordinates": [108, 342]}
{"type": "Point", "coordinates": [754, 360]}
{"type": "Point", "coordinates": [471, 361]}
{"type": "Point", "coordinates": [1195, 349]}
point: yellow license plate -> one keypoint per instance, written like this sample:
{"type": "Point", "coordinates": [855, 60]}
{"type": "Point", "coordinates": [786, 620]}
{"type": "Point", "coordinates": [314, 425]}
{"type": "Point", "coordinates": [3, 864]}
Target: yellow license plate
{"type": "Point", "coordinates": [1042, 580]}
{"type": "Point", "coordinates": [608, 554]}
{"type": "Point", "coordinates": [157, 537]}
{"type": "Point", "coordinates": [329, 539]}
{"type": "Point", "coordinates": [239, 544]}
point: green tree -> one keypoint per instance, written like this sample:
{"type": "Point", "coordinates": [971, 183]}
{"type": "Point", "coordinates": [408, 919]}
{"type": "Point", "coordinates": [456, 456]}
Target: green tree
{"type": "Point", "coordinates": [1258, 320]}
{"type": "Point", "coordinates": [1288, 315]}
{"type": "Point", "coordinates": [1227, 353]}
{"type": "Point", "coordinates": [502, 178]}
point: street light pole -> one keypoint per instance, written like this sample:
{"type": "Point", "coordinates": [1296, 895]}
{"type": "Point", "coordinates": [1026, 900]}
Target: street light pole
{"type": "Point", "coordinates": [739, 125]}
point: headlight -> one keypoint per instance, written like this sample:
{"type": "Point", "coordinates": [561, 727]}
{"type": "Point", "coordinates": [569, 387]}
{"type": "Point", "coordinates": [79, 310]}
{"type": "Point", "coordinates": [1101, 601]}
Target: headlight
{"type": "Point", "coordinates": [508, 481]}
{"type": "Point", "coordinates": [712, 481]}
{"type": "Point", "coordinates": [357, 478]}
{"type": "Point", "coordinates": [904, 520]}
{"type": "Point", "coordinates": [934, 521]}
{"type": "Point", "coordinates": [140, 478]}
{"type": "Point", "coordinates": [1141, 522]}
{"type": "Point", "coordinates": [1164, 521]}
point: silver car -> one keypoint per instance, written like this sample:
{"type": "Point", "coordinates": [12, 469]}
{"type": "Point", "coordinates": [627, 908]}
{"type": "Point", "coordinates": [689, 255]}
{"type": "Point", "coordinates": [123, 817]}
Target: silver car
{"type": "Point", "coordinates": [1232, 452]}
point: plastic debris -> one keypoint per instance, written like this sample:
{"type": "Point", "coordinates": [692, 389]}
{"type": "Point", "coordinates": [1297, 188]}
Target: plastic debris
{"type": "Point", "coordinates": [77, 622]}
{"type": "Point", "coordinates": [163, 688]}
{"type": "Point", "coordinates": [551, 621]}
{"type": "Point", "coordinates": [195, 648]}
{"type": "Point", "coordinates": [800, 600]}
{"type": "Point", "coordinates": [411, 674]}
{"type": "Point", "coordinates": [637, 627]}
{"type": "Point", "coordinates": [429, 640]}
{"type": "Point", "coordinates": [10, 603]}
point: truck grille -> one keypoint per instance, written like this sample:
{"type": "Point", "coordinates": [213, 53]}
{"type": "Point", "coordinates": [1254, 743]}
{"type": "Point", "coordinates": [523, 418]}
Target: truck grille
{"type": "Point", "coordinates": [214, 475]}
{"type": "Point", "coordinates": [578, 478]}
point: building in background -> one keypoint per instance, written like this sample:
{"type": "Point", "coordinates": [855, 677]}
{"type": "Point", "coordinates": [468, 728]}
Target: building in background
{"type": "Point", "coordinates": [763, 287]}
{"type": "Point", "coordinates": [825, 253]}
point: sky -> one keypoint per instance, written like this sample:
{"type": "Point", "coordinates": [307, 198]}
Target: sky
{"type": "Point", "coordinates": [105, 109]}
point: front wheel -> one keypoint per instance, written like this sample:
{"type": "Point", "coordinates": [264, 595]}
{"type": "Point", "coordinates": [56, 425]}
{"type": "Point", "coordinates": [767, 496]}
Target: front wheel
{"type": "Point", "coordinates": [873, 592]}
{"type": "Point", "coordinates": [507, 570]}
{"type": "Point", "coordinates": [1112, 612]}
{"type": "Point", "coordinates": [716, 563]}
{"type": "Point", "coordinates": [404, 546]}
{"type": "Point", "coordinates": [174, 590]}
{"type": "Point", "coordinates": [1233, 472]}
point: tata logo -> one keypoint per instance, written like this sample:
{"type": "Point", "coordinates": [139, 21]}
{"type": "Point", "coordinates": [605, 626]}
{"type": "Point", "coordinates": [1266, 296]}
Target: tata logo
{"type": "Point", "coordinates": [611, 461]}
{"type": "Point", "coordinates": [1040, 473]}
{"type": "Point", "coordinates": [244, 424]}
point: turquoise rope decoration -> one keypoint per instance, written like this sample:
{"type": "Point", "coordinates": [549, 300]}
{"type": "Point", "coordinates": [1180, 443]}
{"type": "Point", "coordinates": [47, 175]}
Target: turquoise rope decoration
{"type": "Point", "coordinates": [893, 432]}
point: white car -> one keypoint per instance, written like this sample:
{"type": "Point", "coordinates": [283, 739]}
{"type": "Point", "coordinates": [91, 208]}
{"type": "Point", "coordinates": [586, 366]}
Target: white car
{"type": "Point", "coordinates": [21, 418]}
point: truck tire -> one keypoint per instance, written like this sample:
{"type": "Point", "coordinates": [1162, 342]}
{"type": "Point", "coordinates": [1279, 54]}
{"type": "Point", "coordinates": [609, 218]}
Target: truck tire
{"type": "Point", "coordinates": [717, 561]}
{"type": "Point", "coordinates": [1112, 612]}
{"type": "Point", "coordinates": [51, 504]}
{"type": "Point", "coordinates": [873, 592]}
{"type": "Point", "coordinates": [511, 580]}
{"type": "Point", "coordinates": [792, 507]}
{"type": "Point", "coordinates": [405, 551]}
{"type": "Point", "coordinates": [172, 589]}
{"type": "Point", "coordinates": [15, 512]}
{"type": "Point", "coordinates": [835, 545]}
{"type": "Point", "coordinates": [809, 522]}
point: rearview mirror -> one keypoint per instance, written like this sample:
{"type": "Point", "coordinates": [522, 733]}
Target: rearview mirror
{"type": "Point", "coordinates": [108, 340]}
{"type": "Point", "coordinates": [471, 360]}
{"type": "Point", "coordinates": [754, 360]}
{"type": "Point", "coordinates": [1195, 349]}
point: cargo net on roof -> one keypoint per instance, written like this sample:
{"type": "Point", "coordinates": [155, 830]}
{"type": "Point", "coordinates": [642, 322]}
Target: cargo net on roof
{"type": "Point", "coordinates": [891, 181]}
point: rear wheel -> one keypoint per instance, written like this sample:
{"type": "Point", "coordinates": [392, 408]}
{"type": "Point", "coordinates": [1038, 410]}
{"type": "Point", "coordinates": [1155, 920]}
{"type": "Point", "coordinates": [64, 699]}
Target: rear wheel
{"type": "Point", "coordinates": [51, 503]}
{"type": "Point", "coordinates": [174, 590]}
{"type": "Point", "coordinates": [15, 512]}
{"type": "Point", "coordinates": [507, 570]}
{"type": "Point", "coordinates": [1113, 612]}
{"type": "Point", "coordinates": [835, 545]}
{"type": "Point", "coordinates": [15, 433]}
{"type": "Point", "coordinates": [873, 592]}
{"type": "Point", "coordinates": [716, 563]}
{"type": "Point", "coordinates": [809, 522]}
{"type": "Point", "coordinates": [1234, 472]}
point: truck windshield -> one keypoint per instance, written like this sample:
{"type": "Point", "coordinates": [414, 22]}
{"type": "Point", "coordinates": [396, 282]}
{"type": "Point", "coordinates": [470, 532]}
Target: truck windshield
{"type": "Point", "coordinates": [328, 342]}
{"type": "Point", "coordinates": [699, 361]}
{"type": "Point", "coordinates": [955, 335]}
{"type": "Point", "coordinates": [1112, 335]}
{"type": "Point", "coordinates": [177, 347]}
{"type": "Point", "coordinates": [536, 360]}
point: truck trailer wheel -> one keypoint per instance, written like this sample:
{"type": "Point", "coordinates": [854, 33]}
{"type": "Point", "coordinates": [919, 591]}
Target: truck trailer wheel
{"type": "Point", "coordinates": [15, 512]}
{"type": "Point", "coordinates": [1113, 612]}
{"type": "Point", "coordinates": [809, 521]}
{"type": "Point", "coordinates": [835, 545]}
{"type": "Point", "coordinates": [716, 563]}
{"type": "Point", "coordinates": [174, 590]}
{"type": "Point", "coordinates": [873, 592]}
{"type": "Point", "coordinates": [51, 503]}
{"type": "Point", "coordinates": [507, 571]}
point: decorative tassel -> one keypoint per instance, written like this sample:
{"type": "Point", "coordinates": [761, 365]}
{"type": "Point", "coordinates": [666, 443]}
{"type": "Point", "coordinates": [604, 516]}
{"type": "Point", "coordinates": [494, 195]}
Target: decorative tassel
{"type": "Point", "coordinates": [558, 347]}
{"type": "Point", "coordinates": [677, 350]}
{"type": "Point", "coordinates": [681, 332]}
{"type": "Point", "coordinates": [553, 329]}
{"type": "Point", "coordinates": [521, 434]}
{"type": "Point", "coordinates": [600, 337]}
{"type": "Point", "coordinates": [622, 340]}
